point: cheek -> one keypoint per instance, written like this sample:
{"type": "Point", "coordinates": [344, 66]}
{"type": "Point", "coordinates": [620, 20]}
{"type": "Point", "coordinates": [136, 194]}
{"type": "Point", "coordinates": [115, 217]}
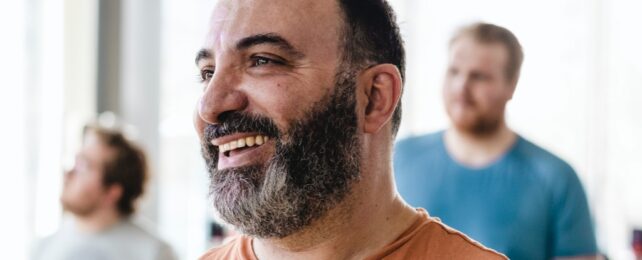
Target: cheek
{"type": "Point", "coordinates": [450, 92]}
{"type": "Point", "coordinates": [285, 102]}
{"type": "Point", "coordinates": [78, 189]}
{"type": "Point", "coordinates": [87, 184]}
{"type": "Point", "coordinates": [446, 87]}
{"type": "Point", "coordinates": [498, 98]}
{"type": "Point", "coordinates": [449, 95]}
{"type": "Point", "coordinates": [490, 101]}
{"type": "Point", "coordinates": [450, 102]}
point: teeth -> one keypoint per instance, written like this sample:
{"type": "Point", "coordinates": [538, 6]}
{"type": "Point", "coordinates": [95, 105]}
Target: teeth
{"type": "Point", "coordinates": [243, 142]}
{"type": "Point", "coordinates": [249, 141]}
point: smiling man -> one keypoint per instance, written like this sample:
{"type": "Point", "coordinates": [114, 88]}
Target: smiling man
{"type": "Point", "coordinates": [299, 110]}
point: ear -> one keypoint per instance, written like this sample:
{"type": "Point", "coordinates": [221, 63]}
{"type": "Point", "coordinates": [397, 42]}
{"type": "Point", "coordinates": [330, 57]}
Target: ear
{"type": "Point", "coordinates": [114, 193]}
{"type": "Point", "coordinates": [381, 89]}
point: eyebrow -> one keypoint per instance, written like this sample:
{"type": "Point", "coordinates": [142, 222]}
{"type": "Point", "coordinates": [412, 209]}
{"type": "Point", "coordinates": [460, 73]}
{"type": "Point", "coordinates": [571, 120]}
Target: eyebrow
{"type": "Point", "coordinates": [268, 38]}
{"type": "Point", "coordinates": [202, 54]}
{"type": "Point", "coordinates": [257, 39]}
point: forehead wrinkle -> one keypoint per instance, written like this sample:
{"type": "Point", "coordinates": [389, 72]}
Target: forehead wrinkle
{"type": "Point", "coordinates": [291, 20]}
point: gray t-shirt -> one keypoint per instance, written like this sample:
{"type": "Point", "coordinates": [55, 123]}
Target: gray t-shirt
{"type": "Point", "coordinates": [123, 241]}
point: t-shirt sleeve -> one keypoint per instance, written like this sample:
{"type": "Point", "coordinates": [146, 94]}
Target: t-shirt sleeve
{"type": "Point", "coordinates": [573, 233]}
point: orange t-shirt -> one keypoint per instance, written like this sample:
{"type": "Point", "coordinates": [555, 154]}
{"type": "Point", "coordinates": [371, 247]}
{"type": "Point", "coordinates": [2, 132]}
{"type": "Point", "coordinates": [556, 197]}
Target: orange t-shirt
{"type": "Point", "coordinates": [427, 238]}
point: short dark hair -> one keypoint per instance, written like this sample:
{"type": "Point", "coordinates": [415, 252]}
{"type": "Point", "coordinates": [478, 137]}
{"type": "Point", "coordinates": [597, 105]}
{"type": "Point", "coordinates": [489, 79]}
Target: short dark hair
{"type": "Point", "coordinates": [490, 33]}
{"type": "Point", "coordinates": [127, 168]}
{"type": "Point", "coordinates": [371, 36]}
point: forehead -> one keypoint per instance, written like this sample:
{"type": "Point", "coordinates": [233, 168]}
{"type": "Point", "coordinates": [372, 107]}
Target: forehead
{"type": "Point", "coordinates": [472, 52]}
{"type": "Point", "coordinates": [303, 23]}
{"type": "Point", "coordinates": [95, 150]}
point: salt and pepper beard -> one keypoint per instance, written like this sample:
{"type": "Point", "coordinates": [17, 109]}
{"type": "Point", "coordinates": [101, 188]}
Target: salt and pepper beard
{"type": "Point", "coordinates": [315, 164]}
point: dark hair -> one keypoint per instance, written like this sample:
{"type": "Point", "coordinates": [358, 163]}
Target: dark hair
{"type": "Point", "coordinates": [488, 34]}
{"type": "Point", "coordinates": [371, 36]}
{"type": "Point", "coordinates": [127, 168]}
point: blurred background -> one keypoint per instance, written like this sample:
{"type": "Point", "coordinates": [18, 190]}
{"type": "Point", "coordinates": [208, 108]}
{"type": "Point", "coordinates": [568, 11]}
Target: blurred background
{"type": "Point", "coordinates": [62, 62]}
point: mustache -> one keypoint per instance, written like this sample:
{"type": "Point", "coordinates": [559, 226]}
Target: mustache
{"type": "Point", "coordinates": [241, 122]}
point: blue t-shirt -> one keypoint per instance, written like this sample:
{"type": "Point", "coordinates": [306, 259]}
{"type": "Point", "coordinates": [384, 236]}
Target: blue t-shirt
{"type": "Point", "coordinates": [529, 204]}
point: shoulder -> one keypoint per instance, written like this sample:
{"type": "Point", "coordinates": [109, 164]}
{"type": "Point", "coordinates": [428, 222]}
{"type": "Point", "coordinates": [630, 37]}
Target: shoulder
{"type": "Point", "coordinates": [556, 175]}
{"type": "Point", "coordinates": [235, 248]}
{"type": "Point", "coordinates": [455, 244]}
{"type": "Point", "coordinates": [428, 238]}
{"type": "Point", "coordinates": [539, 155]}
{"type": "Point", "coordinates": [420, 140]}
{"type": "Point", "coordinates": [544, 162]}
{"type": "Point", "coordinates": [144, 237]}
{"type": "Point", "coordinates": [134, 229]}
{"type": "Point", "coordinates": [65, 236]}
{"type": "Point", "coordinates": [39, 248]}
{"type": "Point", "coordinates": [420, 144]}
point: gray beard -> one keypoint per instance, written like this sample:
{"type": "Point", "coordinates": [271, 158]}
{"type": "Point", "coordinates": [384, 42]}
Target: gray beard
{"type": "Point", "coordinates": [313, 169]}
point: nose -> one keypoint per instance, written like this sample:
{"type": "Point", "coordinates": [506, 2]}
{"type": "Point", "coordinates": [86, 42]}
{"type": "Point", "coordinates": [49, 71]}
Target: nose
{"type": "Point", "coordinates": [222, 95]}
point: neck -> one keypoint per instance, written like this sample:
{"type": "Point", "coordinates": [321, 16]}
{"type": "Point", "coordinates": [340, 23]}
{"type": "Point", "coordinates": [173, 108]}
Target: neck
{"type": "Point", "coordinates": [370, 218]}
{"type": "Point", "coordinates": [478, 150]}
{"type": "Point", "coordinates": [97, 221]}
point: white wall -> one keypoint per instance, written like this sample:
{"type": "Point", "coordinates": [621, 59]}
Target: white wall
{"type": "Point", "coordinates": [13, 194]}
{"type": "Point", "coordinates": [185, 210]}
{"type": "Point", "coordinates": [31, 109]}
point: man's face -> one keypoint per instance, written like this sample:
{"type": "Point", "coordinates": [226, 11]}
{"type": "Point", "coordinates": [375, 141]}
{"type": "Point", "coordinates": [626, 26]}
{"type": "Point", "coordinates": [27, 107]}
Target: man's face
{"type": "Point", "coordinates": [476, 89]}
{"type": "Point", "coordinates": [276, 120]}
{"type": "Point", "coordinates": [83, 190]}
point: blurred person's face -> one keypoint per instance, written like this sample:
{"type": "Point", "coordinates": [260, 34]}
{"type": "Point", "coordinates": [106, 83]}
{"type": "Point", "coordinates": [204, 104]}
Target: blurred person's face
{"type": "Point", "coordinates": [83, 190]}
{"type": "Point", "coordinates": [276, 120]}
{"type": "Point", "coordinates": [476, 88]}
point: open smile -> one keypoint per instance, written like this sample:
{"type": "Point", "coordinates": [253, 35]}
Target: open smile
{"type": "Point", "coordinates": [241, 149]}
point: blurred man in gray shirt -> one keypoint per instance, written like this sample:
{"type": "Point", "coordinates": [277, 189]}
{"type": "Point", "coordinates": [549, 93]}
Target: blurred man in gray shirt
{"type": "Point", "coordinates": [100, 193]}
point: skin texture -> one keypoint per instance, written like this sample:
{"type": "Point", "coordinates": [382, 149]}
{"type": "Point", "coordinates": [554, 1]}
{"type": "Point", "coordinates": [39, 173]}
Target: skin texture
{"type": "Point", "coordinates": [92, 204]}
{"type": "Point", "coordinates": [248, 80]}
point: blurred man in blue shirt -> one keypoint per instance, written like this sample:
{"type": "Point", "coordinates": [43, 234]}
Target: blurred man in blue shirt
{"type": "Point", "coordinates": [482, 178]}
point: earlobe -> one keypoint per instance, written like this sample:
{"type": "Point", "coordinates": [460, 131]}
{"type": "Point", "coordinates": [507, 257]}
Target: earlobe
{"type": "Point", "coordinates": [115, 192]}
{"type": "Point", "coordinates": [382, 96]}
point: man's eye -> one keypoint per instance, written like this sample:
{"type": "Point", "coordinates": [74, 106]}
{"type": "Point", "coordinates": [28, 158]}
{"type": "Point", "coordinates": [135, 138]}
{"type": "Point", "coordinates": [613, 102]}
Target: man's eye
{"type": "Point", "coordinates": [261, 61]}
{"type": "Point", "coordinates": [206, 75]}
